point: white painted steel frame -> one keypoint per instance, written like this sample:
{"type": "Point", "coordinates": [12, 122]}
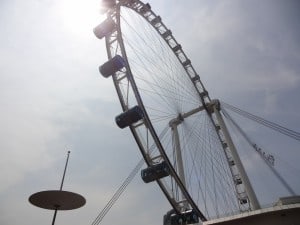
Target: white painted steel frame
{"type": "Point", "coordinates": [113, 41]}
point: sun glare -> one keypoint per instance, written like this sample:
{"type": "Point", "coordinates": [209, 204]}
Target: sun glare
{"type": "Point", "coordinates": [80, 16]}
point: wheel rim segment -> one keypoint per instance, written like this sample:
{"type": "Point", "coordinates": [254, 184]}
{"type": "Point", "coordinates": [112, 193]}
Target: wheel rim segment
{"type": "Point", "coordinates": [160, 84]}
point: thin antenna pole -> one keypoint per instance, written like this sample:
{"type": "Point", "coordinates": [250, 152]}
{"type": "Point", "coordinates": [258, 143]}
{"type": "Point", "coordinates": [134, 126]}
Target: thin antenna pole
{"type": "Point", "coordinates": [61, 185]}
{"type": "Point", "coordinates": [63, 178]}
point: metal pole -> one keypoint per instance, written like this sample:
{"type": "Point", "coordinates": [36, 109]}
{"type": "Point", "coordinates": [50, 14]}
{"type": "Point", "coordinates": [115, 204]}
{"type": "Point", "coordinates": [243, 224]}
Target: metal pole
{"type": "Point", "coordinates": [61, 185]}
{"type": "Point", "coordinates": [63, 178]}
{"type": "Point", "coordinates": [248, 187]}
{"type": "Point", "coordinates": [54, 217]}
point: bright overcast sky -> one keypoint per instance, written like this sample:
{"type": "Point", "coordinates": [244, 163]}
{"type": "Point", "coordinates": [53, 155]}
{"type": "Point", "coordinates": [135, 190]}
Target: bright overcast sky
{"type": "Point", "coordinates": [53, 99]}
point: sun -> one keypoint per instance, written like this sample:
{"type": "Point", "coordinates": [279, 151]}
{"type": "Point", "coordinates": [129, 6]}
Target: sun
{"type": "Point", "coordinates": [79, 16]}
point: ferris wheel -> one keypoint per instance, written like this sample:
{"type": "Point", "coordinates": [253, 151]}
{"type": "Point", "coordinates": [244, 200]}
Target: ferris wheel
{"type": "Point", "coordinates": [177, 127]}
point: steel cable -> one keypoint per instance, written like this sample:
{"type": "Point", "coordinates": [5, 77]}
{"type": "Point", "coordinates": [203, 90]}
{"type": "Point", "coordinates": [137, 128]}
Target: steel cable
{"type": "Point", "coordinates": [252, 144]}
{"type": "Point", "coordinates": [283, 130]}
{"type": "Point", "coordinates": [122, 188]}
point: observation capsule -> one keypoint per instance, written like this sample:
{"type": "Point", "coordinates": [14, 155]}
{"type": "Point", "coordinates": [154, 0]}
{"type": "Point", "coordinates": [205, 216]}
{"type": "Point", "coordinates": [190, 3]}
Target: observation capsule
{"type": "Point", "coordinates": [104, 28]}
{"type": "Point", "coordinates": [155, 172]}
{"type": "Point", "coordinates": [112, 66]}
{"type": "Point", "coordinates": [187, 217]}
{"type": "Point", "coordinates": [108, 3]}
{"type": "Point", "coordinates": [129, 117]}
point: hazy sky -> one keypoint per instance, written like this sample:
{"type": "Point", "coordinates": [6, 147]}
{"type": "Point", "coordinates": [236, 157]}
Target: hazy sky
{"type": "Point", "coordinates": [53, 99]}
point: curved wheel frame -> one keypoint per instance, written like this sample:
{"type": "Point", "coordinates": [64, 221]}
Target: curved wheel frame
{"type": "Point", "coordinates": [115, 41]}
{"type": "Point", "coordinates": [145, 11]}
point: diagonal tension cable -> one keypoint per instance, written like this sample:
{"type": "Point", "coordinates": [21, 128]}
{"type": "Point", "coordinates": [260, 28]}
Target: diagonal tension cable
{"type": "Point", "coordinates": [253, 145]}
{"type": "Point", "coordinates": [125, 183]}
{"type": "Point", "coordinates": [283, 130]}
{"type": "Point", "coordinates": [118, 193]}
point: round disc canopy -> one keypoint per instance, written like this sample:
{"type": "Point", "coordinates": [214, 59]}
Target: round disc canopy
{"type": "Point", "coordinates": [56, 199]}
